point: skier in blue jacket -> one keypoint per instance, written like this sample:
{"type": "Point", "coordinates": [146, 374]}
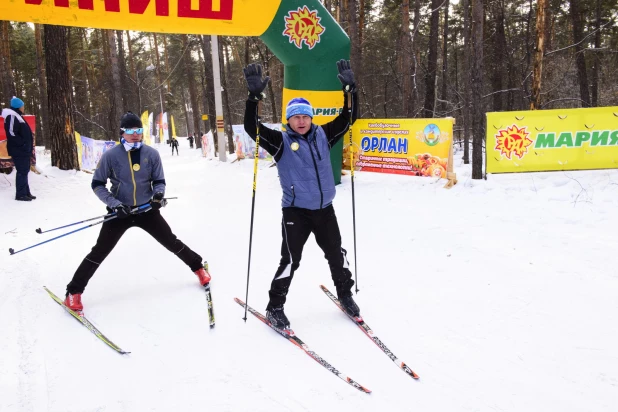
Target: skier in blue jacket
{"type": "Point", "coordinates": [302, 154]}
{"type": "Point", "coordinates": [137, 178]}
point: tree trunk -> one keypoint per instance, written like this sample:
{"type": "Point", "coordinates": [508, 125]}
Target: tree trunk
{"type": "Point", "coordinates": [8, 82]}
{"type": "Point", "coordinates": [466, 82]}
{"type": "Point", "coordinates": [537, 71]}
{"type": "Point", "coordinates": [124, 80]}
{"type": "Point", "coordinates": [444, 94]}
{"type": "Point", "coordinates": [594, 87]}
{"type": "Point", "coordinates": [61, 127]}
{"type": "Point", "coordinates": [580, 58]}
{"type": "Point", "coordinates": [406, 54]}
{"type": "Point", "coordinates": [355, 50]}
{"type": "Point", "coordinates": [476, 76]}
{"type": "Point", "coordinates": [191, 82]}
{"type": "Point", "coordinates": [43, 121]}
{"type": "Point", "coordinates": [227, 113]}
{"type": "Point", "coordinates": [498, 74]}
{"type": "Point", "coordinates": [432, 63]}
{"type": "Point", "coordinates": [118, 106]}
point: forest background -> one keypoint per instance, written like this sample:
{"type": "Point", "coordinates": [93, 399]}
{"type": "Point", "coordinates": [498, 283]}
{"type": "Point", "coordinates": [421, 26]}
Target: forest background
{"type": "Point", "coordinates": [411, 58]}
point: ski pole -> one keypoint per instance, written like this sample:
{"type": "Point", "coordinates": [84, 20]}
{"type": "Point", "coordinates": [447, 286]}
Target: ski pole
{"type": "Point", "coordinates": [136, 210]}
{"type": "Point", "coordinates": [352, 179]}
{"type": "Point", "coordinates": [13, 252]}
{"type": "Point", "coordinates": [255, 170]}
{"type": "Point", "coordinates": [39, 231]}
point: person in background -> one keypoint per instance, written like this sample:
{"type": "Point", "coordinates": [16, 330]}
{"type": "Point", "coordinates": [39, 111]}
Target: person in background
{"type": "Point", "coordinates": [174, 146]}
{"type": "Point", "coordinates": [136, 173]}
{"type": "Point", "coordinates": [190, 141]}
{"type": "Point", "coordinates": [19, 147]}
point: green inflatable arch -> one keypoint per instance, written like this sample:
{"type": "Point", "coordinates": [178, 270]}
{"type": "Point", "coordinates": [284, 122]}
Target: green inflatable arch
{"type": "Point", "coordinates": [301, 33]}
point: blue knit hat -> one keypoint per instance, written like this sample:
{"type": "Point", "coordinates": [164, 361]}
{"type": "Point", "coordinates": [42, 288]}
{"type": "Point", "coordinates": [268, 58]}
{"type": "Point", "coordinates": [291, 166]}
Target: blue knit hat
{"type": "Point", "coordinates": [17, 103]}
{"type": "Point", "coordinates": [298, 105]}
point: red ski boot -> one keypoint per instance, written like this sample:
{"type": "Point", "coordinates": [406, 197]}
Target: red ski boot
{"type": "Point", "coordinates": [74, 302]}
{"type": "Point", "coordinates": [203, 276]}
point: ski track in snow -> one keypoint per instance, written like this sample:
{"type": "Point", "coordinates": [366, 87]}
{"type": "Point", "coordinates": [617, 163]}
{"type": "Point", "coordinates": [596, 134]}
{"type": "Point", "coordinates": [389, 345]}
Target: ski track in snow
{"type": "Point", "coordinates": [500, 294]}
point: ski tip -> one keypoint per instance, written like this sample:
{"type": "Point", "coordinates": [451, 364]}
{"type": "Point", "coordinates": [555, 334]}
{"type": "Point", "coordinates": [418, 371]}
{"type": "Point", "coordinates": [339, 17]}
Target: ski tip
{"type": "Point", "coordinates": [409, 371]}
{"type": "Point", "coordinates": [358, 386]}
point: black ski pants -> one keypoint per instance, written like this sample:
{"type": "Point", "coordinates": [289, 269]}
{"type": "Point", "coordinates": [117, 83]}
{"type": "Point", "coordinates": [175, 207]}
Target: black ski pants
{"type": "Point", "coordinates": [153, 223]}
{"type": "Point", "coordinates": [296, 226]}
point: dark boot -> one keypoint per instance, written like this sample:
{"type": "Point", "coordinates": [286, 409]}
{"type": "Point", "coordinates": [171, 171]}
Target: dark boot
{"type": "Point", "coordinates": [277, 317]}
{"type": "Point", "coordinates": [25, 198]}
{"type": "Point", "coordinates": [350, 307]}
{"type": "Point", "coordinates": [31, 196]}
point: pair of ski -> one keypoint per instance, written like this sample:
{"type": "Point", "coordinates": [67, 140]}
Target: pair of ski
{"type": "Point", "coordinates": [86, 323]}
{"type": "Point", "coordinates": [291, 336]}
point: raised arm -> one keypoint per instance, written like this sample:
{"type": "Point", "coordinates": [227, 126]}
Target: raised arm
{"type": "Point", "coordinates": [270, 140]}
{"type": "Point", "coordinates": [337, 128]}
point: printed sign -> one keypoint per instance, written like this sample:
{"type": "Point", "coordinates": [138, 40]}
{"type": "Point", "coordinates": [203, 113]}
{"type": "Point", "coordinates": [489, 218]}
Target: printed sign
{"type": "Point", "coordinates": [544, 140]}
{"type": "Point", "coordinates": [415, 147]}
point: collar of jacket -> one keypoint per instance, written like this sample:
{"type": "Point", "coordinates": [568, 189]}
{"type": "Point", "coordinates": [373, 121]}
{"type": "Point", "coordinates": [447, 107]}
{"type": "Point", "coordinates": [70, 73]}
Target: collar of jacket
{"type": "Point", "coordinates": [309, 136]}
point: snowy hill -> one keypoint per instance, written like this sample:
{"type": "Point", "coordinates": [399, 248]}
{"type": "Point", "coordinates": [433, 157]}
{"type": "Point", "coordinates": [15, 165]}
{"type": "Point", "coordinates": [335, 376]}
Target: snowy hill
{"type": "Point", "coordinates": [500, 294]}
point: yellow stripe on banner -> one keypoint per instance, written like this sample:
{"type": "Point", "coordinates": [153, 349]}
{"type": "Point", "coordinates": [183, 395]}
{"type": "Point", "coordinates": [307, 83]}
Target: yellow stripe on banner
{"type": "Point", "coordinates": [222, 17]}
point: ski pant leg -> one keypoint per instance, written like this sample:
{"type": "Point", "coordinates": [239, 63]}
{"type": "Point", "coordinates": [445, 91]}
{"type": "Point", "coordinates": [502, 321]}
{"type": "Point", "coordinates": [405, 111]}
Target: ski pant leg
{"type": "Point", "coordinates": [153, 223]}
{"type": "Point", "coordinates": [295, 230]}
{"type": "Point", "coordinates": [110, 234]}
{"type": "Point", "coordinates": [328, 237]}
{"type": "Point", "coordinates": [22, 167]}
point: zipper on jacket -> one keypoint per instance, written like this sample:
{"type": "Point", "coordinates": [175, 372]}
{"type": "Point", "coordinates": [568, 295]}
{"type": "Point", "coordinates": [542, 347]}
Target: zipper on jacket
{"type": "Point", "coordinates": [293, 196]}
{"type": "Point", "coordinates": [315, 143]}
{"type": "Point", "coordinates": [132, 178]}
{"type": "Point", "coordinates": [317, 174]}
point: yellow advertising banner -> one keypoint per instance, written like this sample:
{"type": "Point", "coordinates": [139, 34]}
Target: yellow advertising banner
{"type": "Point", "coordinates": [326, 104]}
{"type": "Point", "coordinates": [145, 125]}
{"type": "Point", "coordinates": [544, 140]}
{"type": "Point", "coordinates": [415, 147]}
{"type": "Point", "coordinates": [223, 17]}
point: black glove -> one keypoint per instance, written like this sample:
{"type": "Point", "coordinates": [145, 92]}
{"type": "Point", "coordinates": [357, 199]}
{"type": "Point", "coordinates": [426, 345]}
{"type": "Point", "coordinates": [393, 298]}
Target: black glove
{"type": "Point", "coordinates": [122, 211]}
{"type": "Point", "coordinates": [158, 201]}
{"type": "Point", "coordinates": [346, 76]}
{"type": "Point", "coordinates": [255, 83]}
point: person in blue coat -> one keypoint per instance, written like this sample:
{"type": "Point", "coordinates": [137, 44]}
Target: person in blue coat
{"type": "Point", "coordinates": [19, 147]}
{"type": "Point", "coordinates": [302, 153]}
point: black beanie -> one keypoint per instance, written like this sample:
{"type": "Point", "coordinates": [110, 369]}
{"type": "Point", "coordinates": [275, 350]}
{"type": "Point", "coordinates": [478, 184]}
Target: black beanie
{"type": "Point", "coordinates": [130, 120]}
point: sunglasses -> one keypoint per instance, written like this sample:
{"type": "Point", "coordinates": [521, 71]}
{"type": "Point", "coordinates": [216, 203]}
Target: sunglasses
{"type": "Point", "coordinates": [139, 130]}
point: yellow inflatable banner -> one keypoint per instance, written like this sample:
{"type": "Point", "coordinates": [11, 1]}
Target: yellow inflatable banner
{"type": "Point", "coordinates": [223, 17]}
{"type": "Point", "coordinates": [545, 140]}
{"type": "Point", "coordinates": [415, 147]}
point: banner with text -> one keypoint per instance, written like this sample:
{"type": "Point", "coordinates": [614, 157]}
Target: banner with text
{"type": "Point", "coordinates": [415, 147]}
{"type": "Point", "coordinates": [545, 140]}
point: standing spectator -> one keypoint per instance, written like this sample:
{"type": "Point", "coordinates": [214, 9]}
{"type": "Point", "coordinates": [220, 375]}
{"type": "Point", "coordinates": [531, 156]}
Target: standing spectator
{"type": "Point", "coordinates": [190, 141]}
{"type": "Point", "coordinates": [174, 146]}
{"type": "Point", "coordinates": [19, 147]}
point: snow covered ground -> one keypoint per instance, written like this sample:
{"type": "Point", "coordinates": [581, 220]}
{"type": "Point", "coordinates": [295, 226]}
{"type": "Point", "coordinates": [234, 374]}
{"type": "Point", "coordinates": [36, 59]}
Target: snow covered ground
{"type": "Point", "coordinates": [500, 294]}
